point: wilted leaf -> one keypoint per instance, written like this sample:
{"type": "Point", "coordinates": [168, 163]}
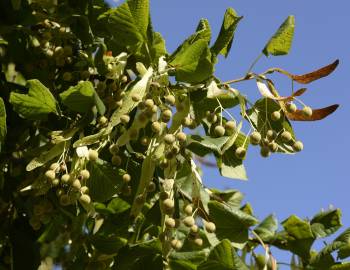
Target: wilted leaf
{"type": "Point", "coordinates": [265, 91]}
{"type": "Point", "coordinates": [317, 114]}
{"type": "Point", "coordinates": [281, 41]}
{"type": "Point", "coordinates": [37, 104]}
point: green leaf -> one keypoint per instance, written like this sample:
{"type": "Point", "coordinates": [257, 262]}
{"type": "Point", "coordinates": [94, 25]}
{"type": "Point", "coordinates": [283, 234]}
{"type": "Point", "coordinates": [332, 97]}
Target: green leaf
{"type": "Point", "coordinates": [223, 257]}
{"type": "Point", "coordinates": [108, 245]}
{"type": "Point", "coordinates": [231, 223]}
{"type": "Point", "coordinates": [128, 22]}
{"type": "Point", "coordinates": [181, 265]}
{"type": "Point", "coordinates": [37, 104]}
{"type": "Point", "coordinates": [230, 166]}
{"type": "Point", "coordinates": [224, 40]}
{"type": "Point", "coordinates": [79, 98]}
{"type": "Point", "coordinates": [101, 108]}
{"type": "Point", "coordinates": [104, 181]}
{"type": "Point", "coordinates": [281, 41]}
{"type": "Point", "coordinates": [191, 256]}
{"type": "Point", "coordinates": [193, 64]}
{"type": "Point", "coordinates": [3, 126]}
{"type": "Point", "coordinates": [231, 197]}
{"type": "Point", "coordinates": [203, 145]}
{"type": "Point", "coordinates": [158, 46]}
{"type": "Point", "coordinates": [326, 223]}
{"type": "Point", "coordinates": [267, 228]}
{"type": "Point", "coordinates": [300, 235]}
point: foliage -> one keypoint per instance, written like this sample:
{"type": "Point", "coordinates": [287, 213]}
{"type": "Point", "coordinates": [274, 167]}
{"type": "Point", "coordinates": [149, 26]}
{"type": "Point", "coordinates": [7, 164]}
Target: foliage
{"type": "Point", "coordinates": [102, 133]}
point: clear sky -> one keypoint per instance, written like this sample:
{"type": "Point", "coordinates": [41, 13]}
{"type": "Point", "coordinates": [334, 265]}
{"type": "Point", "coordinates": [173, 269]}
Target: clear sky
{"type": "Point", "coordinates": [299, 184]}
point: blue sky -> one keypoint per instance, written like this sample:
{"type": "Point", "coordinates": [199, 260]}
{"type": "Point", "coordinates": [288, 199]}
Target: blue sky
{"type": "Point", "coordinates": [300, 184]}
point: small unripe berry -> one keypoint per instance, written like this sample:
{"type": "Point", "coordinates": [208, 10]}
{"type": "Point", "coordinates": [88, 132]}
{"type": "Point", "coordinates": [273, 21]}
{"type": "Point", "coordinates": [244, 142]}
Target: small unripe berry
{"type": "Point", "coordinates": [118, 103]}
{"type": "Point", "coordinates": [219, 131]}
{"type": "Point", "coordinates": [240, 152]}
{"type": "Point", "coordinates": [230, 125]}
{"type": "Point", "coordinates": [188, 221]}
{"type": "Point", "coordinates": [194, 228]}
{"type": "Point", "coordinates": [84, 189]}
{"type": "Point", "coordinates": [50, 174]}
{"type": "Point", "coordinates": [54, 166]}
{"type": "Point", "coordinates": [76, 184]}
{"type": "Point", "coordinates": [176, 244]}
{"type": "Point", "coordinates": [265, 151]}
{"type": "Point", "coordinates": [156, 127]}
{"type": "Point", "coordinates": [135, 97]}
{"type": "Point", "coordinates": [85, 199]}
{"type": "Point", "coordinates": [181, 137]}
{"type": "Point", "coordinates": [271, 135]}
{"type": "Point", "coordinates": [186, 121]}
{"type": "Point", "coordinates": [170, 223]}
{"type": "Point", "coordinates": [93, 155]}
{"type": "Point", "coordinates": [151, 187]}
{"type": "Point", "coordinates": [169, 138]}
{"type": "Point", "coordinates": [149, 103]}
{"type": "Point", "coordinates": [291, 107]}
{"type": "Point", "coordinates": [113, 149]}
{"type": "Point", "coordinates": [188, 209]}
{"type": "Point", "coordinates": [307, 111]}
{"type": "Point", "coordinates": [85, 174]}
{"type": "Point", "coordinates": [144, 141]}
{"type": "Point", "coordinates": [55, 182]}
{"type": "Point", "coordinates": [273, 146]}
{"type": "Point", "coordinates": [126, 178]}
{"type": "Point", "coordinates": [275, 116]}
{"type": "Point", "coordinates": [210, 227]}
{"type": "Point", "coordinates": [286, 136]}
{"type": "Point", "coordinates": [168, 204]}
{"type": "Point", "coordinates": [124, 119]}
{"type": "Point", "coordinates": [255, 138]}
{"type": "Point", "coordinates": [298, 146]}
{"type": "Point", "coordinates": [170, 99]}
{"type": "Point", "coordinates": [65, 178]}
{"type": "Point", "coordinates": [198, 241]}
{"type": "Point", "coordinates": [166, 115]}
{"type": "Point", "coordinates": [116, 160]}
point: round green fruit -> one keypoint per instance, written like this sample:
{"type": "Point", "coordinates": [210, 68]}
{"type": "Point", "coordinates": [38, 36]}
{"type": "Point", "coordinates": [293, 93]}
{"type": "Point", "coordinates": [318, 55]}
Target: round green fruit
{"type": "Point", "coordinates": [219, 131]}
{"type": "Point", "coordinates": [286, 136]}
{"type": "Point", "coordinates": [169, 138]}
{"type": "Point", "coordinates": [156, 127]}
{"type": "Point", "coordinates": [116, 160]}
{"type": "Point", "coordinates": [240, 152]}
{"type": "Point", "coordinates": [265, 151]}
{"type": "Point", "coordinates": [170, 99]}
{"type": "Point", "coordinates": [291, 107]}
{"type": "Point", "coordinates": [113, 149]}
{"type": "Point", "coordinates": [273, 146]}
{"type": "Point", "coordinates": [188, 209]}
{"type": "Point", "coordinates": [298, 146]}
{"type": "Point", "coordinates": [126, 178]}
{"type": "Point", "coordinates": [50, 174]}
{"type": "Point", "coordinates": [181, 137]}
{"type": "Point", "coordinates": [176, 244]}
{"type": "Point", "coordinates": [307, 111]}
{"type": "Point", "coordinates": [170, 223]}
{"type": "Point", "coordinates": [210, 227]}
{"type": "Point", "coordinates": [84, 199]}
{"type": "Point", "coordinates": [168, 204]}
{"type": "Point", "coordinates": [271, 135]}
{"type": "Point", "coordinates": [135, 97]}
{"type": "Point", "coordinates": [65, 178]}
{"type": "Point", "coordinates": [166, 115]}
{"type": "Point", "coordinates": [124, 119]}
{"type": "Point", "coordinates": [198, 242]}
{"type": "Point", "coordinates": [275, 116]}
{"type": "Point", "coordinates": [85, 174]}
{"type": "Point", "coordinates": [189, 221]}
{"type": "Point", "coordinates": [76, 184]}
{"type": "Point", "coordinates": [230, 125]}
{"type": "Point", "coordinates": [255, 138]}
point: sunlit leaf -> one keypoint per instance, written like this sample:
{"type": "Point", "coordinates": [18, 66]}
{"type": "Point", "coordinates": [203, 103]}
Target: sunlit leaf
{"type": "Point", "coordinates": [281, 41]}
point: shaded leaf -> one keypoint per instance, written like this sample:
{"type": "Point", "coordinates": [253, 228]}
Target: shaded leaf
{"type": "Point", "coordinates": [37, 104]}
{"type": "Point", "coordinates": [230, 166]}
{"type": "Point", "coordinates": [81, 97]}
{"type": "Point", "coordinates": [203, 145]}
{"type": "Point", "coordinates": [108, 245]}
{"type": "Point", "coordinates": [104, 181]}
{"type": "Point", "coordinates": [317, 114]}
{"type": "Point", "coordinates": [224, 40]}
{"type": "Point", "coordinates": [223, 257]}
{"type": "Point", "coordinates": [231, 223]}
{"type": "Point", "coordinates": [281, 41]}
{"type": "Point", "coordinates": [267, 228]}
{"type": "Point", "coordinates": [231, 197]}
{"type": "Point", "coordinates": [3, 126]}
